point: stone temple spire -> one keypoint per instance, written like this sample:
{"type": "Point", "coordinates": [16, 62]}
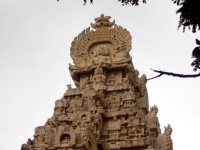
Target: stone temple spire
{"type": "Point", "coordinates": [109, 108]}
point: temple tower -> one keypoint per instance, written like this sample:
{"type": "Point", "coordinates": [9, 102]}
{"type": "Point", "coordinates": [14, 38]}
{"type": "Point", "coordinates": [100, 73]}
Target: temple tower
{"type": "Point", "coordinates": [108, 109]}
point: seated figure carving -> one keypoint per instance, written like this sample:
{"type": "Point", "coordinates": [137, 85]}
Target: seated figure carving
{"type": "Point", "coordinates": [101, 57]}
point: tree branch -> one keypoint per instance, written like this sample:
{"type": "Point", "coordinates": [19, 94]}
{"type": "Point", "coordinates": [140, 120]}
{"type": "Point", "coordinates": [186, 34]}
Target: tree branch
{"type": "Point", "coordinates": [173, 74]}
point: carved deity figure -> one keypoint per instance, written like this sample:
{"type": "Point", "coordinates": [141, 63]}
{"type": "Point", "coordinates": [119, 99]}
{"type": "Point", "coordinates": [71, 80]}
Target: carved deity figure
{"type": "Point", "coordinates": [112, 79]}
{"type": "Point", "coordinates": [101, 57]}
{"type": "Point", "coordinates": [99, 79]}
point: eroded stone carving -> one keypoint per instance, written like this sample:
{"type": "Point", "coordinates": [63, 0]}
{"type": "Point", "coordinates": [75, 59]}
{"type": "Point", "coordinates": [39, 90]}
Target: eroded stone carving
{"type": "Point", "coordinates": [109, 108]}
{"type": "Point", "coordinates": [165, 141]}
{"type": "Point", "coordinates": [100, 57]}
{"type": "Point", "coordinates": [102, 21]}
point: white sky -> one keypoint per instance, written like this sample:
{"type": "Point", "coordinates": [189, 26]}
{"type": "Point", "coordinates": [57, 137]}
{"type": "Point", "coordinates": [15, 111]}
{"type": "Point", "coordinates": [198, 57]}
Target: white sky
{"type": "Point", "coordinates": [35, 40]}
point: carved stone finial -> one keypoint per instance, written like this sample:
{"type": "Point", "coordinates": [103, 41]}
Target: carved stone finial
{"type": "Point", "coordinates": [102, 21]}
{"type": "Point", "coordinates": [168, 130]}
{"type": "Point", "coordinates": [69, 86]}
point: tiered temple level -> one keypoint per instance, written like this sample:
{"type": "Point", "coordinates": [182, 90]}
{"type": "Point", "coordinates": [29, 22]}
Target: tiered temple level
{"type": "Point", "coordinates": [108, 109]}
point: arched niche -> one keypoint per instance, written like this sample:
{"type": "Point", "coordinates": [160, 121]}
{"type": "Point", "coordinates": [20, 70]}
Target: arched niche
{"type": "Point", "coordinates": [65, 138]}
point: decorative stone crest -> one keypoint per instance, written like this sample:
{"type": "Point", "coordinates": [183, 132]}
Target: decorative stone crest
{"type": "Point", "coordinates": [105, 46]}
{"type": "Point", "coordinates": [102, 21]}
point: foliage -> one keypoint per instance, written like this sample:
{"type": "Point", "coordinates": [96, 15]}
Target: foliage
{"type": "Point", "coordinates": [132, 2]}
{"type": "Point", "coordinates": [124, 2]}
{"type": "Point", "coordinates": [189, 14]}
{"type": "Point", "coordinates": [196, 55]}
{"type": "Point", "coordinates": [85, 1]}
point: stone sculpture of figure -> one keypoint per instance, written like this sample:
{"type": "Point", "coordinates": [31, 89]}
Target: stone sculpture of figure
{"type": "Point", "coordinates": [168, 140]}
{"type": "Point", "coordinates": [111, 79]}
{"type": "Point", "coordinates": [39, 135]}
{"type": "Point", "coordinates": [101, 57]}
{"type": "Point", "coordinates": [96, 122]}
{"type": "Point", "coordinates": [152, 120]}
{"type": "Point", "coordinates": [114, 123]}
{"type": "Point", "coordinates": [28, 145]}
{"type": "Point", "coordinates": [41, 138]}
{"type": "Point", "coordinates": [142, 82]}
{"type": "Point", "coordinates": [59, 107]}
{"type": "Point", "coordinates": [88, 83]}
{"type": "Point", "coordinates": [165, 141]}
{"type": "Point", "coordinates": [168, 130]}
{"type": "Point", "coordinates": [153, 111]}
{"type": "Point", "coordinates": [98, 79]}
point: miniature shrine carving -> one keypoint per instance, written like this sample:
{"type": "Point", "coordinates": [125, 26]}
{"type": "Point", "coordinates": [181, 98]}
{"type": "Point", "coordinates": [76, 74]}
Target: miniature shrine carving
{"type": "Point", "coordinates": [108, 109]}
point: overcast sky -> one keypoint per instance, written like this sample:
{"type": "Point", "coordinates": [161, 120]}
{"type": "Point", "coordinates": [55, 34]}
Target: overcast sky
{"type": "Point", "coordinates": [35, 40]}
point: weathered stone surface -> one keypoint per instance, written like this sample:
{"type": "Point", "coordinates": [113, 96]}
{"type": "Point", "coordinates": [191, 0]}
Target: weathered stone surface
{"type": "Point", "coordinates": [109, 107]}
